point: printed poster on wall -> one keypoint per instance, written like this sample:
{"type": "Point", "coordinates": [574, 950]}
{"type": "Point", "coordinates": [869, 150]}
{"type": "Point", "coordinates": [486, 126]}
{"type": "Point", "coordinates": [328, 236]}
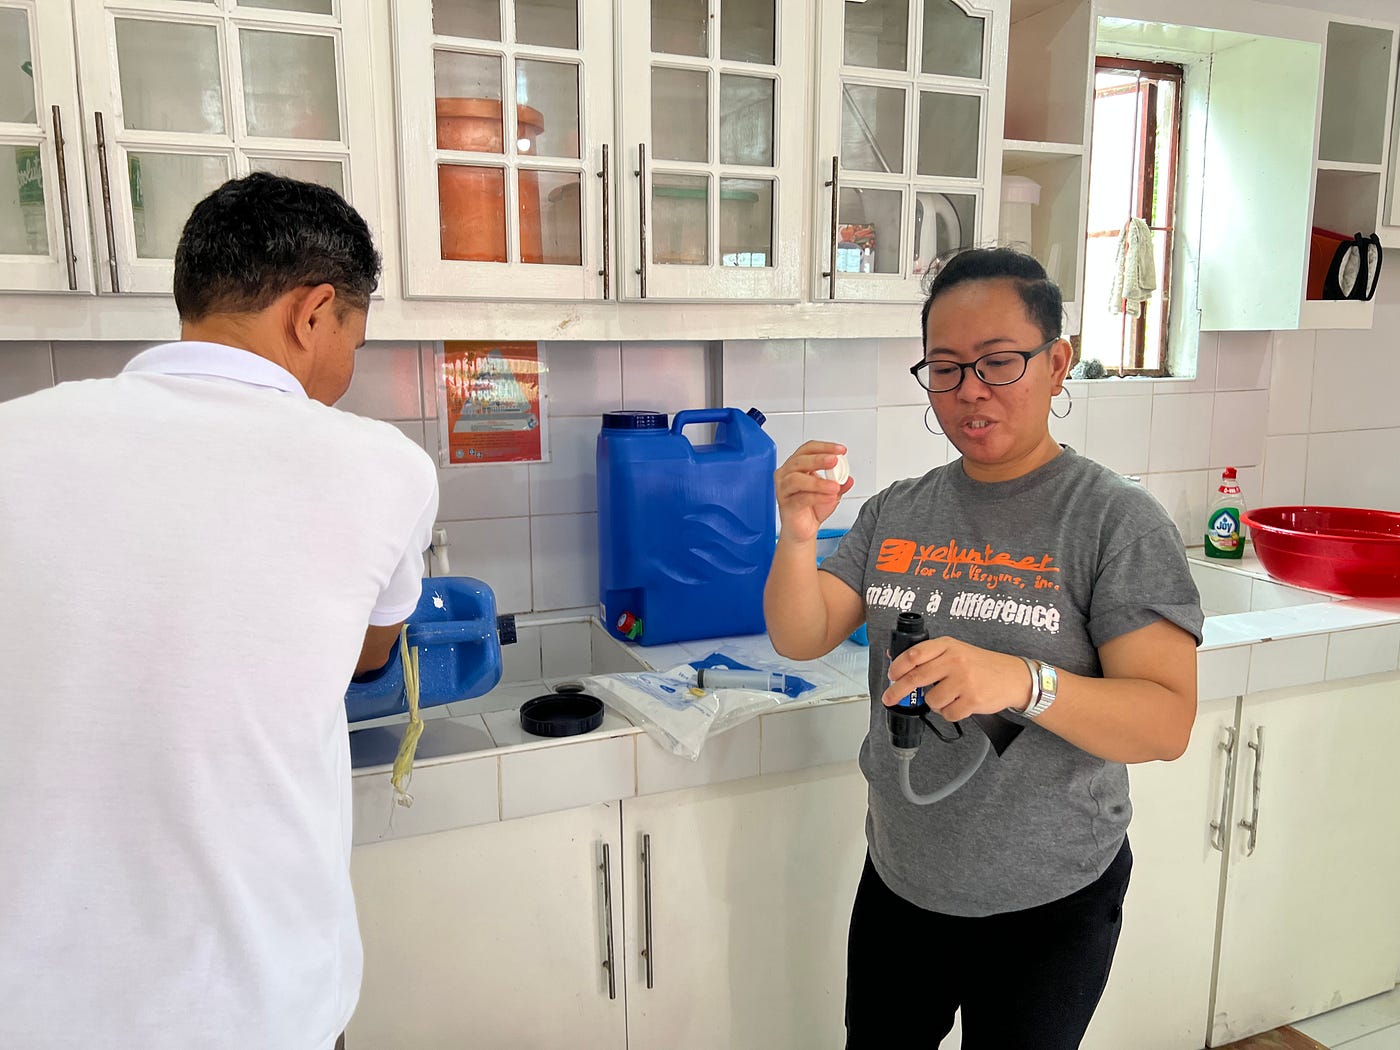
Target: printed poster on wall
{"type": "Point", "coordinates": [489, 402]}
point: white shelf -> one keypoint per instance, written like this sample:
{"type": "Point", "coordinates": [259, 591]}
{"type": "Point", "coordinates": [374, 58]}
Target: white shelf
{"type": "Point", "coordinates": [1042, 149]}
{"type": "Point", "coordinates": [1335, 313]}
{"type": "Point", "coordinates": [1341, 165]}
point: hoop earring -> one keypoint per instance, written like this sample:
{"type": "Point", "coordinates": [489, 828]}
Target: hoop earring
{"type": "Point", "coordinates": [1069, 404]}
{"type": "Point", "coordinates": [935, 433]}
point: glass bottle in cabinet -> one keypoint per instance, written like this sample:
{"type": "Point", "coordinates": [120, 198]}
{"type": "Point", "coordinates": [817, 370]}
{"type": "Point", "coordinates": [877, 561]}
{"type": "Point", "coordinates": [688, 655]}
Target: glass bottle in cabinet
{"type": "Point", "coordinates": [185, 95]}
{"type": "Point", "coordinates": [504, 110]}
{"type": "Point", "coordinates": [43, 227]}
{"type": "Point", "coordinates": [713, 107]}
{"type": "Point", "coordinates": [909, 90]}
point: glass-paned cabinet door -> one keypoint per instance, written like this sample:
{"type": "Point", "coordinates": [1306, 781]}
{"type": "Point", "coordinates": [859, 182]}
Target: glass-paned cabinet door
{"type": "Point", "coordinates": [912, 95]}
{"type": "Point", "coordinates": [505, 116]}
{"type": "Point", "coordinates": [181, 95]}
{"type": "Point", "coordinates": [43, 218]}
{"type": "Point", "coordinates": [714, 107]}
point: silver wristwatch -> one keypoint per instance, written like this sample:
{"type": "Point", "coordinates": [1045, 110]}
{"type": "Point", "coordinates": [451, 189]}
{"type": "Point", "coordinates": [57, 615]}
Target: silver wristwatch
{"type": "Point", "coordinates": [1045, 681]}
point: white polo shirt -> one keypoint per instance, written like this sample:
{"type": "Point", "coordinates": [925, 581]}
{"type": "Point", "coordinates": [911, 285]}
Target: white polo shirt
{"type": "Point", "coordinates": [189, 556]}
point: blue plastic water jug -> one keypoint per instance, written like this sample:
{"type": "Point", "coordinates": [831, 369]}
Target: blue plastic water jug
{"type": "Point", "coordinates": [459, 652]}
{"type": "Point", "coordinates": [685, 532]}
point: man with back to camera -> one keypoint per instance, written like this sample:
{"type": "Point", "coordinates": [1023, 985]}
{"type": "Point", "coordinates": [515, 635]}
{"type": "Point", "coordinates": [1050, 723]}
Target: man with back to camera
{"type": "Point", "coordinates": [195, 557]}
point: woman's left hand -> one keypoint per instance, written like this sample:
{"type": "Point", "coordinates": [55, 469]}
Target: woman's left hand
{"type": "Point", "coordinates": [959, 679]}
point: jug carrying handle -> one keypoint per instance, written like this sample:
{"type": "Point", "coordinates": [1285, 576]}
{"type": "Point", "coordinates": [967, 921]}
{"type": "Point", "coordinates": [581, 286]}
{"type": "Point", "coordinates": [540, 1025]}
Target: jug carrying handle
{"type": "Point", "coordinates": [701, 415]}
{"type": "Point", "coordinates": [446, 632]}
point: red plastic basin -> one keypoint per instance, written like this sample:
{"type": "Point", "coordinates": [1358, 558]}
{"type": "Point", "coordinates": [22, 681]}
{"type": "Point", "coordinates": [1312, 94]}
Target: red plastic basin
{"type": "Point", "coordinates": [1342, 550]}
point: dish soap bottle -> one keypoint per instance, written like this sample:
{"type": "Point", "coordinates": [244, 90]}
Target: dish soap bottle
{"type": "Point", "coordinates": [1224, 530]}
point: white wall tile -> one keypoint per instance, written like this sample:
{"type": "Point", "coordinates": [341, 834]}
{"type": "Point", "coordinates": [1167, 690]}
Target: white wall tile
{"type": "Point", "coordinates": [1287, 662]}
{"type": "Point", "coordinates": [1355, 380]}
{"type": "Point", "coordinates": [413, 430]}
{"type": "Point", "coordinates": [857, 430]}
{"type": "Point", "coordinates": [567, 776]}
{"type": "Point", "coordinates": [496, 552]}
{"type": "Point", "coordinates": [386, 382]}
{"type": "Point", "coordinates": [1222, 592]}
{"type": "Point", "coordinates": [904, 449]}
{"type": "Point", "coordinates": [1120, 386]}
{"type": "Point", "coordinates": [521, 661]}
{"type": "Point", "coordinates": [1071, 427]}
{"type": "Point", "coordinates": [24, 369]}
{"type": "Point", "coordinates": [764, 372]}
{"type": "Point", "coordinates": [566, 650]}
{"type": "Point", "coordinates": [732, 755]}
{"type": "Point", "coordinates": [1285, 470]}
{"type": "Point", "coordinates": [1265, 594]}
{"type": "Point", "coordinates": [786, 430]}
{"type": "Point", "coordinates": [1206, 354]}
{"type": "Point", "coordinates": [585, 378]}
{"type": "Point", "coordinates": [1119, 430]}
{"type": "Point", "coordinates": [1368, 650]}
{"type": "Point", "coordinates": [1181, 431]}
{"type": "Point", "coordinates": [813, 736]}
{"type": "Point", "coordinates": [1354, 470]}
{"type": "Point", "coordinates": [1237, 429]}
{"type": "Point", "coordinates": [446, 796]}
{"type": "Point", "coordinates": [472, 491]}
{"type": "Point", "coordinates": [1291, 382]}
{"type": "Point", "coordinates": [894, 385]}
{"type": "Point", "coordinates": [1242, 361]}
{"type": "Point", "coordinates": [1222, 672]}
{"type": "Point", "coordinates": [841, 374]}
{"type": "Point", "coordinates": [1184, 497]}
{"type": "Point", "coordinates": [663, 377]}
{"type": "Point", "coordinates": [568, 483]}
{"type": "Point", "coordinates": [565, 560]}
{"type": "Point", "coordinates": [93, 360]}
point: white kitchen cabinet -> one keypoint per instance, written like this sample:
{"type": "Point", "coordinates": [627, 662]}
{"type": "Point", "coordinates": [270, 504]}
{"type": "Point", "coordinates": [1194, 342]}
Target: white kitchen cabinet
{"type": "Point", "coordinates": [43, 214]}
{"type": "Point", "coordinates": [493, 936]}
{"type": "Point", "coordinates": [505, 120]}
{"type": "Point", "coordinates": [911, 100]}
{"type": "Point", "coordinates": [180, 96]}
{"type": "Point", "coordinates": [713, 118]}
{"type": "Point", "coordinates": [738, 902]}
{"type": "Point", "coordinates": [1311, 917]}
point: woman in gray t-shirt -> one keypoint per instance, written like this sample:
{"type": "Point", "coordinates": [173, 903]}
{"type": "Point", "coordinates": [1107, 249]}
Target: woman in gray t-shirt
{"type": "Point", "coordinates": [1056, 597]}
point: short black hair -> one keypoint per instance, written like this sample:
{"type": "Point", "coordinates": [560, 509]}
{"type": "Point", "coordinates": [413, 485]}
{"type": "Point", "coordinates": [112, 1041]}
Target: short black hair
{"type": "Point", "coordinates": [1041, 296]}
{"type": "Point", "coordinates": [256, 238]}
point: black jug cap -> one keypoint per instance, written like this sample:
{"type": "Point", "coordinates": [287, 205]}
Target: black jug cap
{"type": "Point", "coordinates": [634, 420]}
{"type": "Point", "coordinates": [757, 416]}
{"type": "Point", "coordinates": [561, 714]}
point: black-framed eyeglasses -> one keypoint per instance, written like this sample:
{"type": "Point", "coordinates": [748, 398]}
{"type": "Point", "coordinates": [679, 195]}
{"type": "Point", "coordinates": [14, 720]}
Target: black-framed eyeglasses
{"type": "Point", "coordinates": [999, 368]}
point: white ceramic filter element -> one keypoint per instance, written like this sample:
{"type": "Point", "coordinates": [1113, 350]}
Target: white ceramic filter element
{"type": "Point", "coordinates": [839, 473]}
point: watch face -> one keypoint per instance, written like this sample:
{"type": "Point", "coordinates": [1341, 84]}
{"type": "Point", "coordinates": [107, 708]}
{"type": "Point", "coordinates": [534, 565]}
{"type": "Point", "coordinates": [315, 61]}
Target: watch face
{"type": "Point", "coordinates": [1048, 679]}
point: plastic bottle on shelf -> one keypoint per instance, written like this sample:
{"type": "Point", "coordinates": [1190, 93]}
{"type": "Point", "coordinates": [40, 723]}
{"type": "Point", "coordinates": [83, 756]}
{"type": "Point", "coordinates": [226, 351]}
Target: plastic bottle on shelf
{"type": "Point", "coordinates": [1224, 530]}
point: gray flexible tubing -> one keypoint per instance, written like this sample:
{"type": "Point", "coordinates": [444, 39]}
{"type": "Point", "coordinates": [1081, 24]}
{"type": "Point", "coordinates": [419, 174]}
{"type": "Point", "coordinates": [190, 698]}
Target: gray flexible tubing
{"type": "Point", "coordinates": [905, 756]}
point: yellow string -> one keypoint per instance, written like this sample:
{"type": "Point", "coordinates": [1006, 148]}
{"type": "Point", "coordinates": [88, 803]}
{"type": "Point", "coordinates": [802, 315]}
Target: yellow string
{"type": "Point", "coordinates": [403, 761]}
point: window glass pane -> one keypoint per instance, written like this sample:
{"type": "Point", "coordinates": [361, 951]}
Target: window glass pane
{"type": "Point", "coordinates": [468, 102]}
{"type": "Point", "coordinates": [164, 187]}
{"type": "Point", "coordinates": [952, 40]}
{"type": "Point", "coordinates": [745, 222]}
{"type": "Point", "coordinates": [170, 76]}
{"type": "Point", "coordinates": [23, 216]}
{"type": "Point", "coordinates": [747, 31]}
{"type": "Point", "coordinates": [290, 86]}
{"type": "Point", "coordinates": [745, 120]}
{"type": "Point", "coordinates": [877, 34]}
{"type": "Point", "coordinates": [872, 128]}
{"type": "Point", "coordinates": [322, 172]}
{"type": "Point", "coordinates": [680, 27]}
{"type": "Point", "coordinates": [867, 230]}
{"type": "Point", "coordinates": [472, 212]}
{"type": "Point", "coordinates": [548, 112]}
{"type": "Point", "coordinates": [950, 134]}
{"type": "Point", "coordinates": [310, 7]}
{"type": "Point", "coordinates": [474, 19]}
{"type": "Point", "coordinates": [549, 23]}
{"type": "Point", "coordinates": [16, 68]}
{"type": "Point", "coordinates": [680, 114]}
{"type": "Point", "coordinates": [680, 224]}
{"type": "Point", "coordinates": [551, 217]}
{"type": "Point", "coordinates": [943, 223]}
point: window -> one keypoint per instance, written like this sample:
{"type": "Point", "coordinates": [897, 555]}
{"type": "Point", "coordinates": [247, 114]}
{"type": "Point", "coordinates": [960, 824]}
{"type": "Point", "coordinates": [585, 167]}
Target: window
{"type": "Point", "coordinates": [1133, 171]}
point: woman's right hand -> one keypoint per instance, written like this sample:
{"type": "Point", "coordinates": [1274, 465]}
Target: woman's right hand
{"type": "Point", "coordinates": [805, 499]}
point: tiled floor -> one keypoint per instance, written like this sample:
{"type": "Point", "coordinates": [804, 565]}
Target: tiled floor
{"type": "Point", "coordinates": [1372, 1024]}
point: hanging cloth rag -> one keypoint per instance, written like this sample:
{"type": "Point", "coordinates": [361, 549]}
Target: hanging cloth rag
{"type": "Point", "coordinates": [1134, 269]}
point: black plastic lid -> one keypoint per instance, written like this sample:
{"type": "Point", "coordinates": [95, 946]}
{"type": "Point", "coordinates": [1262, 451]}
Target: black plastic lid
{"type": "Point", "coordinates": [634, 420]}
{"type": "Point", "coordinates": [757, 416]}
{"type": "Point", "coordinates": [561, 714]}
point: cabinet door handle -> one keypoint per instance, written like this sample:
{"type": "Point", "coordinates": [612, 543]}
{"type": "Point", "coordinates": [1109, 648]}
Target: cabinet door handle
{"type": "Point", "coordinates": [68, 256]}
{"type": "Point", "coordinates": [1252, 824]}
{"type": "Point", "coordinates": [606, 272]}
{"type": "Point", "coordinates": [830, 272]}
{"type": "Point", "coordinates": [606, 868]}
{"type": "Point", "coordinates": [1217, 827]}
{"type": "Point", "coordinates": [641, 174]}
{"type": "Point", "coordinates": [107, 202]}
{"type": "Point", "coordinates": [646, 905]}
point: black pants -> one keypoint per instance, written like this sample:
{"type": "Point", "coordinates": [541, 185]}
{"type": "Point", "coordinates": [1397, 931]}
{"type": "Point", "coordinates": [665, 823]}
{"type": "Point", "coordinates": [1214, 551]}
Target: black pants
{"type": "Point", "coordinates": [1026, 980]}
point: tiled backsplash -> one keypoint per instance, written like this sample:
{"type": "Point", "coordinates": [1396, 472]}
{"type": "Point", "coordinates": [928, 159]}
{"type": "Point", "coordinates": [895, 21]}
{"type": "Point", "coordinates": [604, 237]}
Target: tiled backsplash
{"type": "Point", "coordinates": [1305, 416]}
